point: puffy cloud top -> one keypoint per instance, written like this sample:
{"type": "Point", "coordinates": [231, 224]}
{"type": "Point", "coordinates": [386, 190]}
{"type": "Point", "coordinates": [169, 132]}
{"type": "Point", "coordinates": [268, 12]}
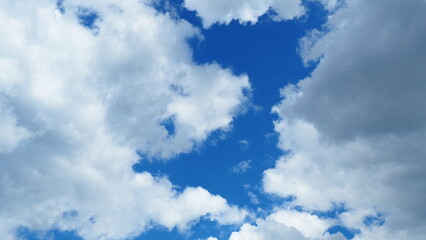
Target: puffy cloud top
{"type": "Point", "coordinates": [76, 103]}
{"type": "Point", "coordinates": [223, 11]}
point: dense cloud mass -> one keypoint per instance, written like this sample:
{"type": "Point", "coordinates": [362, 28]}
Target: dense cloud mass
{"type": "Point", "coordinates": [355, 129]}
{"type": "Point", "coordinates": [81, 102]}
{"type": "Point", "coordinates": [224, 11]}
{"type": "Point", "coordinates": [77, 102]}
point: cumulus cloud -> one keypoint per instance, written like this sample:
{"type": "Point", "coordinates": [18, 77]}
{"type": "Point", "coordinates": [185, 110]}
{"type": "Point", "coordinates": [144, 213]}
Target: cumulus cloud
{"type": "Point", "coordinates": [211, 238]}
{"type": "Point", "coordinates": [355, 129]}
{"type": "Point", "coordinates": [12, 135]}
{"type": "Point", "coordinates": [286, 224]}
{"type": "Point", "coordinates": [223, 11]}
{"type": "Point", "coordinates": [77, 103]}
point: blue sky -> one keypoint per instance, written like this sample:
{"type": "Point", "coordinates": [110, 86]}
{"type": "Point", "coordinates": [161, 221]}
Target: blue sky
{"type": "Point", "coordinates": [187, 119]}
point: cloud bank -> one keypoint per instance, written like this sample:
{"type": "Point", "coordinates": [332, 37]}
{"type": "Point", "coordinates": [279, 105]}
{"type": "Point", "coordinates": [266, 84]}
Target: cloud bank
{"type": "Point", "coordinates": [355, 129]}
{"type": "Point", "coordinates": [77, 102]}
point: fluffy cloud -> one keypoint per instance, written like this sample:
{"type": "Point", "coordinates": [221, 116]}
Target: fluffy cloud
{"type": "Point", "coordinates": [286, 224]}
{"type": "Point", "coordinates": [355, 129]}
{"type": "Point", "coordinates": [309, 225]}
{"type": "Point", "coordinates": [77, 103]}
{"type": "Point", "coordinates": [223, 11]}
{"type": "Point", "coordinates": [211, 238]}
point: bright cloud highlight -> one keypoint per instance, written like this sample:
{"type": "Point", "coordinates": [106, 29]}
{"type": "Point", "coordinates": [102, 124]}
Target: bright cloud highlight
{"type": "Point", "coordinates": [77, 103]}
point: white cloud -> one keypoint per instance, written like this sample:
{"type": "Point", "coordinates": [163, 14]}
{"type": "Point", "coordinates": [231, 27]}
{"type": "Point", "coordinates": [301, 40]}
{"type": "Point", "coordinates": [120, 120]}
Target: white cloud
{"type": "Point", "coordinates": [244, 144]}
{"type": "Point", "coordinates": [211, 238]}
{"type": "Point", "coordinates": [309, 225]}
{"type": "Point", "coordinates": [286, 224]}
{"type": "Point", "coordinates": [241, 167]}
{"type": "Point", "coordinates": [223, 12]}
{"type": "Point", "coordinates": [75, 106]}
{"type": "Point", "coordinates": [253, 198]}
{"type": "Point", "coordinates": [355, 128]}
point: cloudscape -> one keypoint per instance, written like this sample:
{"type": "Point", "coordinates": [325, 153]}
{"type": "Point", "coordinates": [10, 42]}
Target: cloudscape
{"type": "Point", "coordinates": [212, 120]}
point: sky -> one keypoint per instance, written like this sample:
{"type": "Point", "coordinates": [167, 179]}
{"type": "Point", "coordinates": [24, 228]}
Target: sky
{"type": "Point", "coordinates": [212, 120]}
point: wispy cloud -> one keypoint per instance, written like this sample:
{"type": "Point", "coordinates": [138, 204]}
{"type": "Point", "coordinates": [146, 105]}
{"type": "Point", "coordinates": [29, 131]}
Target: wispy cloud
{"type": "Point", "coordinates": [241, 167]}
{"type": "Point", "coordinates": [244, 144]}
{"type": "Point", "coordinates": [253, 198]}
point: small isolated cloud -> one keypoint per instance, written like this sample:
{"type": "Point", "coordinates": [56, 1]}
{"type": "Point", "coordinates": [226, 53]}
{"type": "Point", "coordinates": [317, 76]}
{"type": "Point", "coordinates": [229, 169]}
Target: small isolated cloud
{"type": "Point", "coordinates": [241, 167]}
{"type": "Point", "coordinates": [244, 144]}
{"type": "Point", "coordinates": [257, 108]}
{"type": "Point", "coordinates": [253, 198]}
